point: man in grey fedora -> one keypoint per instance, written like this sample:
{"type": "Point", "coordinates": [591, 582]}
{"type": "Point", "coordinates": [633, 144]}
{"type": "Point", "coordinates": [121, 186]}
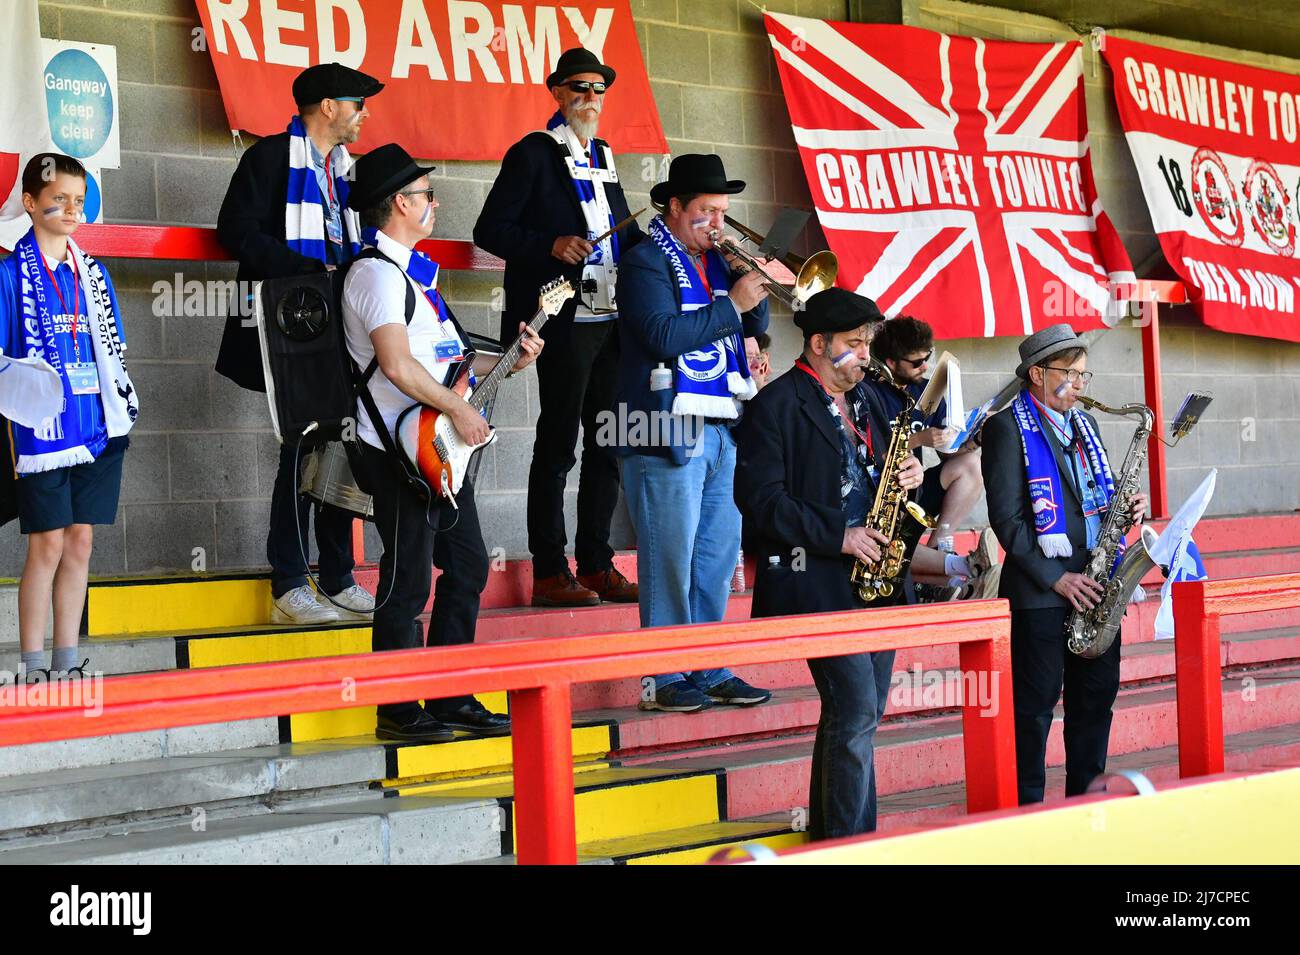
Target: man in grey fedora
{"type": "Point", "coordinates": [1048, 482]}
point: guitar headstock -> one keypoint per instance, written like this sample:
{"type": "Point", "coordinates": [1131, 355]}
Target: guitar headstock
{"type": "Point", "coordinates": [553, 295]}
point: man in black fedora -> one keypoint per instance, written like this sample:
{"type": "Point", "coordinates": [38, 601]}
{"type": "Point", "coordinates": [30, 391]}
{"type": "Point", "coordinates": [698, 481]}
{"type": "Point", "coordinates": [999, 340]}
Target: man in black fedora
{"type": "Point", "coordinates": [556, 194]}
{"type": "Point", "coordinates": [683, 380]}
{"type": "Point", "coordinates": [394, 315]}
{"type": "Point", "coordinates": [286, 213]}
{"type": "Point", "coordinates": [1049, 486]}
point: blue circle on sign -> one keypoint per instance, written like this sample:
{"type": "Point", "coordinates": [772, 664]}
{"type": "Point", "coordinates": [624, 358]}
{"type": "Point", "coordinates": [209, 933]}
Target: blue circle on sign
{"type": "Point", "coordinates": [79, 102]}
{"type": "Point", "coordinates": [93, 197]}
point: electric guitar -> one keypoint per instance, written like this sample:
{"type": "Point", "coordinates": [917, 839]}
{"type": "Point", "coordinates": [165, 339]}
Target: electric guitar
{"type": "Point", "coordinates": [429, 444]}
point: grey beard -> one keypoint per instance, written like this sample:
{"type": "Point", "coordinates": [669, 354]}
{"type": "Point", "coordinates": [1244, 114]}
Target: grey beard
{"type": "Point", "coordinates": [582, 128]}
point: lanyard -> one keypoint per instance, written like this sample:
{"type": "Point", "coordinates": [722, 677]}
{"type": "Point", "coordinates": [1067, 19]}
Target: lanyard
{"type": "Point", "coordinates": [703, 277]}
{"type": "Point", "coordinates": [864, 438]}
{"type": "Point", "coordinates": [1074, 445]}
{"type": "Point", "coordinates": [76, 299]}
{"type": "Point", "coordinates": [329, 179]}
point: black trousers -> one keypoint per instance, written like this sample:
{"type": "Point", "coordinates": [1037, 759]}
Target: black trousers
{"type": "Point", "coordinates": [575, 382]}
{"type": "Point", "coordinates": [286, 540]}
{"type": "Point", "coordinates": [412, 548]}
{"type": "Point", "coordinates": [1040, 664]}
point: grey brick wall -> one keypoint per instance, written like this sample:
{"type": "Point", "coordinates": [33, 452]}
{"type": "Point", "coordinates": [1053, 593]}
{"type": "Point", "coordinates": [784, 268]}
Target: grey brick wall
{"type": "Point", "coordinates": [202, 462]}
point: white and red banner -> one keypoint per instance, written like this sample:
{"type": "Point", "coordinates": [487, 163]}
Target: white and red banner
{"type": "Point", "coordinates": [952, 175]}
{"type": "Point", "coordinates": [1215, 145]}
{"type": "Point", "coordinates": [464, 79]}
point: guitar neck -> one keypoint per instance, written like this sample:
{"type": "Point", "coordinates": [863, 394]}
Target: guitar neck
{"type": "Point", "coordinates": [487, 388]}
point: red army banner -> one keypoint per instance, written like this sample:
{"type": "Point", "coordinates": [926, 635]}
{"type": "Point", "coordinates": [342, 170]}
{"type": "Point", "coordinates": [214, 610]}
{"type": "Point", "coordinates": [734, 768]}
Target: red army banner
{"type": "Point", "coordinates": [952, 175]}
{"type": "Point", "coordinates": [1215, 148]}
{"type": "Point", "coordinates": [463, 80]}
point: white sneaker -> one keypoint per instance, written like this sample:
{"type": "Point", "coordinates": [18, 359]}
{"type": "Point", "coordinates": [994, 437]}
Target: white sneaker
{"type": "Point", "coordinates": [357, 603]}
{"type": "Point", "coordinates": [299, 606]}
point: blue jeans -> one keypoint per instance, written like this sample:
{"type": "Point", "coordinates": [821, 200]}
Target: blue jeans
{"type": "Point", "coordinates": [687, 538]}
{"type": "Point", "coordinates": [854, 690]}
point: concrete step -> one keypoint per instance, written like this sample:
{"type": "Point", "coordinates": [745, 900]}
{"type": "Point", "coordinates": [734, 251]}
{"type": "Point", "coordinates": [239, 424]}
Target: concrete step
{"type": "Point", "coordinates": [367, 830]}
{"type": "Point", "coordinates": [148, 788]}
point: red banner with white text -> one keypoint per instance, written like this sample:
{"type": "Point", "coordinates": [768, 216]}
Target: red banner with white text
{"type": "Point", "coordinates": [952, 175]}
{"type": "Point", "coordinates": [463, 80]}
{"type": "Point", "coordinates": [1215, 145]}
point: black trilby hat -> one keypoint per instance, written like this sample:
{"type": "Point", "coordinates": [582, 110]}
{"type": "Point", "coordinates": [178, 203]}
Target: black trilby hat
{"type": "Point", "coordinates": [835, 310]}
{"type": "Point", "coordinates": [695, 173]}
{"type": "Point", "coordinates": [330, 81]}
{"type": "Point", "coordinates": [579, 60]}
{"type": "Point", "coordinates": [380, 173]}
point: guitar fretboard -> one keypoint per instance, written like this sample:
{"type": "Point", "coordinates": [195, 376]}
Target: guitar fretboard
{"type": "Point", "coordinates": [487, 388]}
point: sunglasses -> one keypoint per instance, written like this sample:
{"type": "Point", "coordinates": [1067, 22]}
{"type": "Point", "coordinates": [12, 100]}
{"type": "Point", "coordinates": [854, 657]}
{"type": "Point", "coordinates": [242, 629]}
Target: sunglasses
{"type": "Point", "coordinates": [427, 193]}
{"type": "Point", "coordinates": [918, 362]}
{"type": "Point", "coordinates": [582, 86]}
{"type": "Point", "coordinates": [359, 100]}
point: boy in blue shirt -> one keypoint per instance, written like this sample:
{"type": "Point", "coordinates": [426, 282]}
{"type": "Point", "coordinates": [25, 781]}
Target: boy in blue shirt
{"type": "Point", "coordinates": [58, 304]}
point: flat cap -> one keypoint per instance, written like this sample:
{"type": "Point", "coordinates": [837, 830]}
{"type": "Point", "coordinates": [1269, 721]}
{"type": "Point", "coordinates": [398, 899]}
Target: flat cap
{"type": "Point", "coordinates": [836, 310]}
{"type": "Point", "coordinates": [331, 81]}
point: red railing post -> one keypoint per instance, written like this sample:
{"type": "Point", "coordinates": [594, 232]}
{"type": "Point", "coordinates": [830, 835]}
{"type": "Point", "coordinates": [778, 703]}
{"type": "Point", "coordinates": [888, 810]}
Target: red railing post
{"type": "Point", "coordinates": [542, 742]}
{"type": "Point", "coordinates": [1151, 380]}
{"type": "Point", "coordinates": [988, 725]}
{"type": "Point", "coordinates": [1198, 682]}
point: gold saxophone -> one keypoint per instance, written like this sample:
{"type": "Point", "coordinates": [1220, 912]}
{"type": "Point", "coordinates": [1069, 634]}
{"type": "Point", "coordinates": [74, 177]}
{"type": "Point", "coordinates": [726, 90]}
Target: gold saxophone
{"type": "Point", "coordinates": [893, 513]}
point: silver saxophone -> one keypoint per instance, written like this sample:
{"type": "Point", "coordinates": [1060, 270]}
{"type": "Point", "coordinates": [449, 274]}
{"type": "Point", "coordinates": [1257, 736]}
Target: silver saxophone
{"type": "Point", "coordinates": [1091, 632]}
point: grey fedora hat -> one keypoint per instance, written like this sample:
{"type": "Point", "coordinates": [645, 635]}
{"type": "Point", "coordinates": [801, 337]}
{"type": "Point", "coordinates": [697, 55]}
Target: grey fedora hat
{"type": "Point", "coordinates": [1042, 345]}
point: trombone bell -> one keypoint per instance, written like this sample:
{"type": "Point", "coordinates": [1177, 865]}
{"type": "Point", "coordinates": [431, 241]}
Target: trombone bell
{"type": "Point", "coordinates": [812, 275]}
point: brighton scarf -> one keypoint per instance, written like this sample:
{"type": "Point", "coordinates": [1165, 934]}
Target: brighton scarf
{"type": "Point", "coordinates": [1044, 476]}
{"type": "Point", "coordinates": [714, 379]}
{"type": "Point", "coordinates": [67, 438]}
{"type": "Point", "coordinates": [589, 182]}
{"type": "Point", "coordinates": [304, 208]}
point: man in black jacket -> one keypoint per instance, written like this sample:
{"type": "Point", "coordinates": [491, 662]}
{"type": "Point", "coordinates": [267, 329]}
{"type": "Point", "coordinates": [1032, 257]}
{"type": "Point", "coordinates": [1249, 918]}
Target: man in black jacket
{"type": "Point", "coordinates": [558, 192]}
{"type": "Point", "coordinates": [286, 213]}
{"type": "Point", "coordinates": [1047, 476]}
{"type": "Point", "coordinates": [807, 468]}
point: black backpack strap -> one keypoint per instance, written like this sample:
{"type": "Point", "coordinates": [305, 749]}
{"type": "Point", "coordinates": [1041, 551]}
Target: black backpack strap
{"type": "Point", "coordinates": [370, 252]}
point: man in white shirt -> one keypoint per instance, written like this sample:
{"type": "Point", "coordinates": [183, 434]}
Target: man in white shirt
{"type": "Point", "coordinates": [416, 363]}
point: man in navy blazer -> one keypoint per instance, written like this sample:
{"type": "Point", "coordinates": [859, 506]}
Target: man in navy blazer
{"type": "Point", "coordinates": [557, 193]}
{"type": "Point", "coordinates": [683, 378]}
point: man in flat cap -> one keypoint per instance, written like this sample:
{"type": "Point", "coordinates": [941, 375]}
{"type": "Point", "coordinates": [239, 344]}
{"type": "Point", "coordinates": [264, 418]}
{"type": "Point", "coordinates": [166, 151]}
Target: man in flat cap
{"type": "Point", "coordinates": [1049, 485]}
{"type": "Point", "coordinates": [683, 384]}
{"type": "Point", "coordinates": [558, 193]}
{"type": "Point", "coordinates": [286, 213]}
{"type": "Point", "coordinates": [807, 468]}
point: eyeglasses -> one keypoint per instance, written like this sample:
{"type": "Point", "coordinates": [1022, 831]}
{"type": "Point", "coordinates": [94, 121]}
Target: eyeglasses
{"type": "Point", "coordinates": [359, 100]}
{"type": "Point", "coordinates": [918, 362]}
{"type": "Point", "coordinates": [427, 193]}
{"type": "Point", "coordinates": [1071, 375]}
{"type": "Point", "coordinates": [583, 86]}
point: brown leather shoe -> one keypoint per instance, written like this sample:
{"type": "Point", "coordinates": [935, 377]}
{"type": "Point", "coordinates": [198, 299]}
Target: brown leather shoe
{"type": "Point", "coordinates": [563, 590]}
{"type": "Point", "coordinates": [610, 585]}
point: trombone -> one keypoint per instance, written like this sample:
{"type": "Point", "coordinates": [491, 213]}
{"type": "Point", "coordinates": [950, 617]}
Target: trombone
{"type": "Point", "coordinates": [812, 275]}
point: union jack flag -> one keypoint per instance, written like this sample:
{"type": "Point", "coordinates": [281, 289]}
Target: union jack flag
{"type": "Point", "coordinates": [952, 175]}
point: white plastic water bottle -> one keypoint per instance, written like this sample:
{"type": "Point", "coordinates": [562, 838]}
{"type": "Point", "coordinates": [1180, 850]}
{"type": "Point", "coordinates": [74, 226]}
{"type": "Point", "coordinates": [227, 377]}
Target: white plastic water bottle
{"type": "Point", "coordinates": [944, 539]}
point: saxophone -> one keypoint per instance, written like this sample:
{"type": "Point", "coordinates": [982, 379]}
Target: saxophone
{"type": "Point", "coordinates": [892, 513]}
{"type": "Point", "coordinates": [1091, 632]}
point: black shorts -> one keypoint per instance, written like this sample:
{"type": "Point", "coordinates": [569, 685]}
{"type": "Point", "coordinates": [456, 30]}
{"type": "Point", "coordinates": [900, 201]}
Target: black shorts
{"type": "Point", "coordinates": [930, 496]}
{"type": "Point", "coordinates": [80, 494]}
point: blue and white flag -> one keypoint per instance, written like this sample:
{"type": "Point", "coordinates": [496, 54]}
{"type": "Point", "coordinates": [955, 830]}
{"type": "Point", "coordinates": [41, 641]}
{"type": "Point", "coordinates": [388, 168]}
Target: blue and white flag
{"type": "Point", "coordinates": [1176, 550]}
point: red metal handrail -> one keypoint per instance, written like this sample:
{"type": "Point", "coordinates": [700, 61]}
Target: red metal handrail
{"type": "Point", "coordinates": [1198, 605]}
{"type": "Point", "coordinates": [538, 674]}
{"type": "Point", "coordinates": [197, 244]}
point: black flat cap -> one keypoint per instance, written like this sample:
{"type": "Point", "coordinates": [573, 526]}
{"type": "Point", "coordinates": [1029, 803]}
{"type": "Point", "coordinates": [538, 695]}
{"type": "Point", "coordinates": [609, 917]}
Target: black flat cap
{"type": "Point", "coordinates": [575, 61]}
{"type": "Point", "coordinates": [380, 173]}
{"type": "Point", "coordinates": [330, 81]}
{"type": "Point", "coordinates": [836, 310]}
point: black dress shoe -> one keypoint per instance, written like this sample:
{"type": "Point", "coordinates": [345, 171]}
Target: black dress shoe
{"type": "Point", "coordinates": [421, 727]}
{"type": "Point", "coordinates": [474, 717]}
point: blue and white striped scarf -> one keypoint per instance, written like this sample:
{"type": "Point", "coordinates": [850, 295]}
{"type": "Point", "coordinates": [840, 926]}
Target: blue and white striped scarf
{"type": "Point", "coordinates": [714, 379]}
{"type": "Point", "coordinates": [304, 207]}
{"type": "Point", "coordinates": [1044, 476]}
{"type": "Point", "coordinates": [587, 197]}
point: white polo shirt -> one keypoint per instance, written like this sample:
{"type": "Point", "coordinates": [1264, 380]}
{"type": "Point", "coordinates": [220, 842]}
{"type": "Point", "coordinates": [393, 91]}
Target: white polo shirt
{"type": "Point", "coordinates": [374, 294]}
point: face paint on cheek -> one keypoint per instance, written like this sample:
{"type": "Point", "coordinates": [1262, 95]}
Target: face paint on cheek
{"type": "Point", "coordinates": [1060, 392]}
{"type": "Point", "coordinates": [428, 212]}
{"type": "Point", "coordinates": [697, 223]}
{"type": "Point", "coordinates": [51, 212]}
{"type": "Point", "coordinates": [844, 359]}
